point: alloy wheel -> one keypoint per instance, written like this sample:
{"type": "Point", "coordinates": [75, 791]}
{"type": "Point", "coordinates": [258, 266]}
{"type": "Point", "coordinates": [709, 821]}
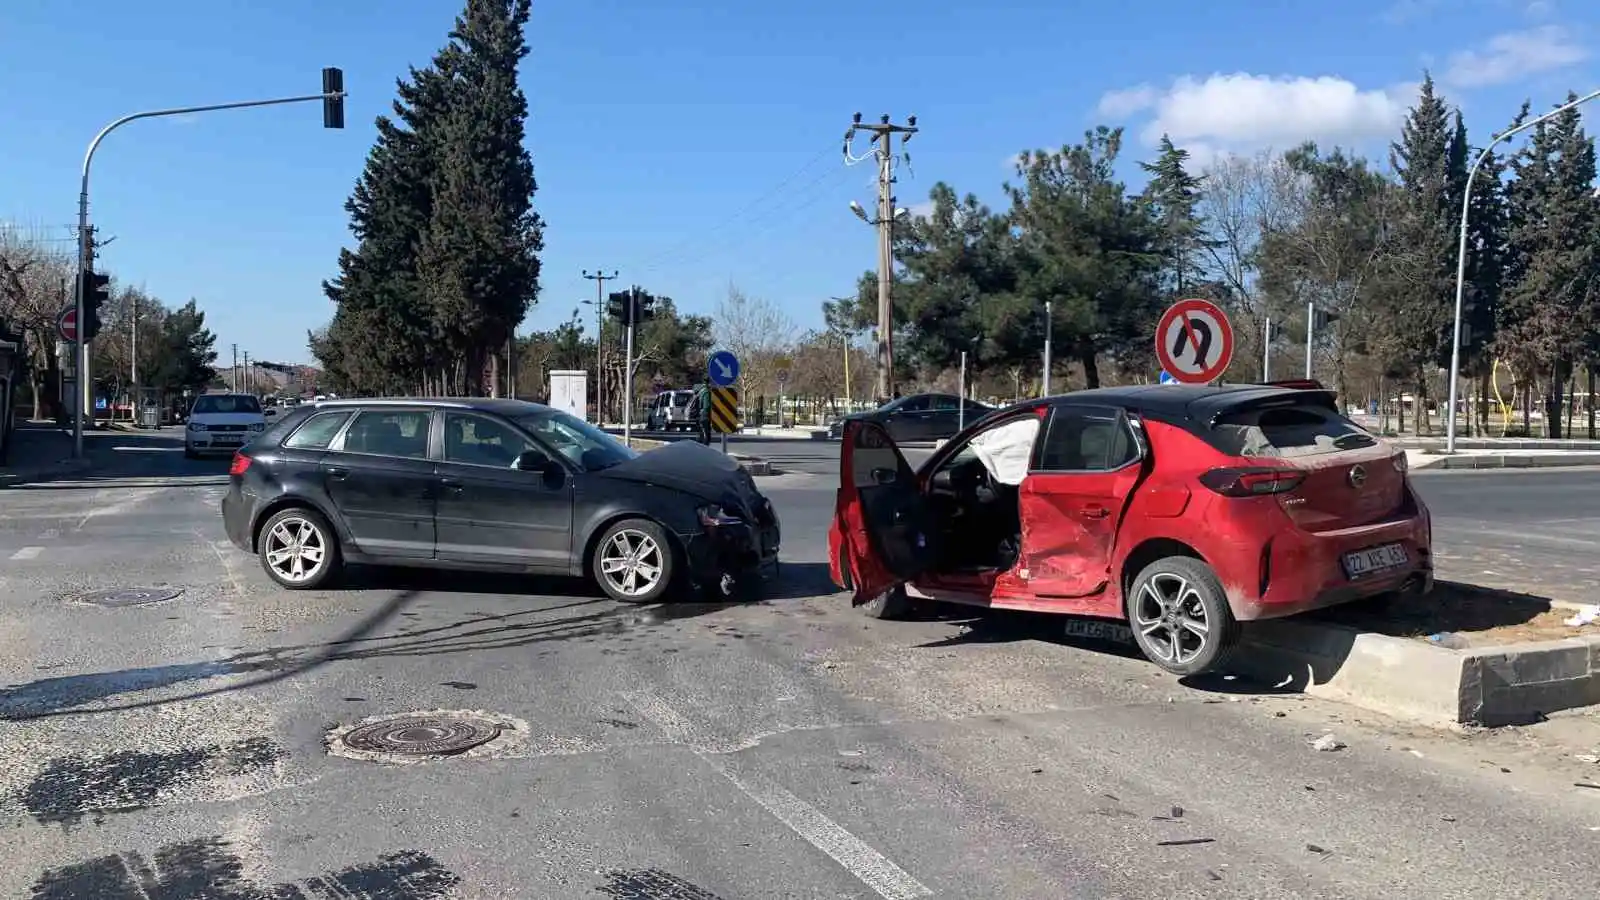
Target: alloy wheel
{"type": "Point", "coordinates": [1170, 614]}
{"type": "Point", "coordinates": [632, 562]}
{"type": "Point", "coordinates": [295, 549]}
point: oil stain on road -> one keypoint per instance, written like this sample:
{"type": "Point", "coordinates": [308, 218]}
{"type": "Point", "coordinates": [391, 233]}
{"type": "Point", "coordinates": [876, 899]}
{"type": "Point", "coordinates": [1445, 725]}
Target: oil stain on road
{"type": "Point", "coordinates": [206, 869]}
{"type": "Point", "coordinates": [72, 787]}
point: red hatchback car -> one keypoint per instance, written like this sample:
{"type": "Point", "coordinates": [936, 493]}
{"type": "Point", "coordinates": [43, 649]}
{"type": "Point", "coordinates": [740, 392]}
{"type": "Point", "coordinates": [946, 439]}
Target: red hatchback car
{"type": "Point", "coordinates": [1182, 510]}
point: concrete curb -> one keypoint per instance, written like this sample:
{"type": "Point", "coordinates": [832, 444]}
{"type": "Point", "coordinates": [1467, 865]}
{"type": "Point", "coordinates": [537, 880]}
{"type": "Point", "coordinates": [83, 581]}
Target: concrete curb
{"type": "Point", "coordinates": [1512, 461]}
{"type": "Point", "coordinates": [1490, 686]}
{"type": "Point", "coordinates": [27, 474]}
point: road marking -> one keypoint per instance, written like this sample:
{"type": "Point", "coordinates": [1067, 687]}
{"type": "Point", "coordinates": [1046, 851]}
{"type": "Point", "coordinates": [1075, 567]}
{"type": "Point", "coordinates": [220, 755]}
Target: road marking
{"type": "Point", "coordinates": [870, 867]}
{"type": "Point", "coordinates": [27, 553]}
{"type": "Point", "coordinates": [134, 497]}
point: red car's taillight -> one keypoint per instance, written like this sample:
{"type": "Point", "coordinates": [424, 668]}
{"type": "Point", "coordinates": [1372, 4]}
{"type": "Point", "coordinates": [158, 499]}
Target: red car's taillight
{"type": "Point", "coordinates": [240, 463]}
{"type": "Point", "coordinates": [1252, 481]}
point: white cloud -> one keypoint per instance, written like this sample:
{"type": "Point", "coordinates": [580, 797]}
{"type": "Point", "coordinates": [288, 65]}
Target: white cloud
{"type": "Point", "coordinates": [1123, 103]}
{"type": "Point", "coordinates": [922, 210]}
{"type": "Point", "coordinates": [1240, 111]}
{"type": "Point", "coordinates": [1515, 55]}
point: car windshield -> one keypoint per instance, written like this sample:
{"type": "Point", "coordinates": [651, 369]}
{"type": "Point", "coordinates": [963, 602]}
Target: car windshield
{"type": "Point", "coordinates": [585, 445]}
{"type": "Point", "coordinates": [226, 403]}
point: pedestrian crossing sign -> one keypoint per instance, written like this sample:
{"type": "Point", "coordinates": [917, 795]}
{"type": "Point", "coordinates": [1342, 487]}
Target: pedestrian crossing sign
{"type": "Point", "coordinates": [725, 410]}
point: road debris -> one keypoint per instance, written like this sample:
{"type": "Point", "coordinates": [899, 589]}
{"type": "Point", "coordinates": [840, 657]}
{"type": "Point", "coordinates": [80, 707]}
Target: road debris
{"type": "Point", "coordinates": [1327, 744]}
{"type": "Point", "coordinates": [1184, 842]}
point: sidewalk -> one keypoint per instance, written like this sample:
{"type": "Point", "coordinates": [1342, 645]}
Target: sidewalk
{"type": "Point", "coordinates": [39, 449]}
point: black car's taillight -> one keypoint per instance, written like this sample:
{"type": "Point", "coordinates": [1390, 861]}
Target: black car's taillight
{"type": "Point", "coordinates": [240, 463]}
{"type": "Point", "coordinates": [1252, 481]}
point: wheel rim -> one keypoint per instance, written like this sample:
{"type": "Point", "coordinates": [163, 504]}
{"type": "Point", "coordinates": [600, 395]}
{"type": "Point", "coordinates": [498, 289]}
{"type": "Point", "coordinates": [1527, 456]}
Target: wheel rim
{"type": "Point", "coordinates": [632, 562]}
{"type": "Point", "coordinates": [295, 549]}
{"type": "Point", "coordinates": [1171, 618]}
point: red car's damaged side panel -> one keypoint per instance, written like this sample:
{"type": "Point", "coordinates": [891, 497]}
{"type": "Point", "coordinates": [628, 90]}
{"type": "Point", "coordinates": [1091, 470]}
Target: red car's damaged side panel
{"type": "Point", "coordinates": [1070, 525]}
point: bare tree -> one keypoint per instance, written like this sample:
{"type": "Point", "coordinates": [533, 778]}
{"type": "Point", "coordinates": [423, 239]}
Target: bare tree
{"type": "Point", "coordinates": [758, 333]}
{"type": "Point", "coordinates": [1245, 198]}
{"type": "Point", "coordinates": [35, 279]}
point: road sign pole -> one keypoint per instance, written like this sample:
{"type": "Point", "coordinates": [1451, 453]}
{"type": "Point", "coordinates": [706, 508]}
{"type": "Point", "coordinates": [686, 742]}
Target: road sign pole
{"type": "Point", "coordinates": [1049, 323]}
{"type": "Point", "coordinates": [1266, 352]}
{"type": "Point", "coordinates": [724, 443]}
{"type": "Point", "coordinates": [961, 408]}
{"type": "Point", "coordinates": [1311, 327]}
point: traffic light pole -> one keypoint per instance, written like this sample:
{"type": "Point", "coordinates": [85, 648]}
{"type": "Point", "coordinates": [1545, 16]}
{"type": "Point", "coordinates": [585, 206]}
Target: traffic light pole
{"type": "Point", "coordinates": [627, 368]}
{"type": "Point", "coordinates": [85, 239]}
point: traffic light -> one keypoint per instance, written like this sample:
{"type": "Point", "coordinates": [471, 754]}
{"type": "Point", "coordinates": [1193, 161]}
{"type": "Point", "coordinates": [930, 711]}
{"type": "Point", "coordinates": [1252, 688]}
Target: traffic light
{"type": "Point", "coordinates": [618, 307]}
{"type": "Point", "coordinates": [644, 306]}
{"type": "Point", "coordinates": [332, 106]}
{"type": "Point", "coordinates": [96, 291]}
{"type": "Point", "coordinates": [1322, 318]}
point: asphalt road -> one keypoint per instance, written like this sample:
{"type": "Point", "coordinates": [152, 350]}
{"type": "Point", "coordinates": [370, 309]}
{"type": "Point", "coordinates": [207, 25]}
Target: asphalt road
{"type": "Point", "coordinates": [790, 748]}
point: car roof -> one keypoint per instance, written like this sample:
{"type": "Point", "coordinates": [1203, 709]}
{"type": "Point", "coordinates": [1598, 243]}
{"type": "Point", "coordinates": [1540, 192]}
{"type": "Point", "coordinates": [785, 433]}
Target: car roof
{"type": "Point", "coordinates": [499, 405]}
{"type": "Point", "coordinates": [1177, 401]}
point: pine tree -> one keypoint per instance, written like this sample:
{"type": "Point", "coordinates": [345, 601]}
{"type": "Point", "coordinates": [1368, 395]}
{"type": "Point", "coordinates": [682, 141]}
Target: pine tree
{"type": "Point", "coordinates": [379, 339]}
{"type": "Point", "coordinates": [479, 263]}
{"type": "Point", "coordinates": [1174, 197]}
{"type": "Point", "coordinates": [1430, 161]}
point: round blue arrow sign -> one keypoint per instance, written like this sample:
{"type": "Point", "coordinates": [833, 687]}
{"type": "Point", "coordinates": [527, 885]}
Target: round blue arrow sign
{"type": "Point", "coordinates": [1166, 377]}
{"type": "Point", "coordinates": [723, 368]}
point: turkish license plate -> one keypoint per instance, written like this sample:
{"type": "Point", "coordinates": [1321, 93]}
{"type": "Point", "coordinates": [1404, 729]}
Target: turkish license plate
{"type": "Point", "coordinates": [1373, 560]}
{"type": "Point", "coordinates": [1099, 630]}
{"type": "Point", "coordinates": [227, 441]}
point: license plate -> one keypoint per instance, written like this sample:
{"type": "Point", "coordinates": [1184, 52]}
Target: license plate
{"type": "Point", "coordinates": [1372, 560]}
{"type": "Point", "coordinates": [1099, 630]}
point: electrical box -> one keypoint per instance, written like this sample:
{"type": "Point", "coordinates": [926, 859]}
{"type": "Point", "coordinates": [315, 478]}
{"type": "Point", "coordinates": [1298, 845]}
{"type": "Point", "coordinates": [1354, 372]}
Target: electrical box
{"type": "Point", "coordinates": [569, 391]}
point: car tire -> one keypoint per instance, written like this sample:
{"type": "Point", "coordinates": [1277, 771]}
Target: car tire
{"type": "Point", "coordinates": [1171, 596]}
{"type": "Point", "coordinates": [312, 530]}
{"type": "Point", "coordinates": [641, 541]}
{"type": "Point", "coordinates": [189, 452]}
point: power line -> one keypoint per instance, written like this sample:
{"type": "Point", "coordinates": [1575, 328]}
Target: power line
{"type": "Point", "coordinates": [655, 262]}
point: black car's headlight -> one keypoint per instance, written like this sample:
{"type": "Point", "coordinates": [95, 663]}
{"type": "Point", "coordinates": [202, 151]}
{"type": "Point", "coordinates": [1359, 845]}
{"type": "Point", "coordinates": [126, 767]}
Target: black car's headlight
{"type": "Point", "coordinates": [715, 515]}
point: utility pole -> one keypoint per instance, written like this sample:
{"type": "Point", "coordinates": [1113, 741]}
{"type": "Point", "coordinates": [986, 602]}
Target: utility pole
{"type": "Point", "coordinates": [882, 142]}
{"type": "Point", "coordinates": [1266, 351]}
{"type": "Point", "coordinates": [133, 357]}
{"type": "Point", "coordinates": [249, 381]}
{"type": "Point", "coordinates": [233, 371]}
{"type": "Point", "coordinates": [599, 277]}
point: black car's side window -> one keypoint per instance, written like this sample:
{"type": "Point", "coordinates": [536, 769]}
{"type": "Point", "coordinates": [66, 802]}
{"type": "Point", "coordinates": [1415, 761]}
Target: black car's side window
{"type": "Point", "coordinates": [946, 404]}
{"type": "Point", "coordinates": [481, 441]}
{"type": "Point", "coordinates": [316, 432]}
{"type": "Point", "coordinates": [916, 404]}
{"type": "Point", "coordinates": [382, 432]}
{"type": "Point", "coordinates": [1086, 440]}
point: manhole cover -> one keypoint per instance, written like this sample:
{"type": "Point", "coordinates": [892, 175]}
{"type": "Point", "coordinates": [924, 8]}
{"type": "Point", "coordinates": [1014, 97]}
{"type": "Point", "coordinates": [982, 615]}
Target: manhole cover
{"type": "Point", "coordinates": [138, 596]}
{"type": "Point", "coordinates": [422, 735]}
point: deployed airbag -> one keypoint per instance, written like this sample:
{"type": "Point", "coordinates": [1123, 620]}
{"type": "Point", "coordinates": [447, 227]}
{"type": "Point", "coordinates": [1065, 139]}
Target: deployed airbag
{"type": "Point", "coordinates": [1006, 450]}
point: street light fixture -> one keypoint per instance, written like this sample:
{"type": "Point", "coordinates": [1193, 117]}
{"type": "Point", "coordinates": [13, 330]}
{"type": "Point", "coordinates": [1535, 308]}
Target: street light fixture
{"type": "Point", "coordinates": [1461, 255]}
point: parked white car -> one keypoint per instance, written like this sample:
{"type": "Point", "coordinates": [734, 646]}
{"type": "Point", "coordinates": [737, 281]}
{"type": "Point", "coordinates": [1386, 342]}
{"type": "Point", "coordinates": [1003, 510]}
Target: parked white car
{"type": "Point", "coordinates": [222, 423]}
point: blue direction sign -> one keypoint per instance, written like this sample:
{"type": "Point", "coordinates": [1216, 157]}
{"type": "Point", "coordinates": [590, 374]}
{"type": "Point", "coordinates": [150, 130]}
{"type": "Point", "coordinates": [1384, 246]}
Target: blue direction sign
{"type": "Point", "coordinates": [723, 368]}
{"type": "Point", "coordinates": [1166, 377]}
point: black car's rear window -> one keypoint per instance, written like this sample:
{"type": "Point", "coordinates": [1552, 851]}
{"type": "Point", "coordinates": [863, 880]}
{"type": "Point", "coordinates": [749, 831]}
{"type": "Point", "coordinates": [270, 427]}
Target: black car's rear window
{"type": "Point", "coordinates": [1301, 429]}
{"type": "Point", "coordinates": [317, 432]}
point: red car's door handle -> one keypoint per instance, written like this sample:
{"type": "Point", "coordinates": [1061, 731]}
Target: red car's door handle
{"type": "Point", "coordinates": [1095, 512]}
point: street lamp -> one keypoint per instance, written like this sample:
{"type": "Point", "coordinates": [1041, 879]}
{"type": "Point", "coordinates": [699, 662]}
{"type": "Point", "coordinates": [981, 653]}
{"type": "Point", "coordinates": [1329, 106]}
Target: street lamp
{"type": "Point", "coordinates": [1461, 255]}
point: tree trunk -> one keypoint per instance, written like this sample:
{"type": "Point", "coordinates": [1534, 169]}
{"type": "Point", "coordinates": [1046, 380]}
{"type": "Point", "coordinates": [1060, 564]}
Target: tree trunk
{"type": "Point", "coordinates": [1589, 370]}
{"type": "Point", "coordinates": [1086, 358]}
{"type": "Point", "coordinates": [1552, 402]}
{"type": "Point", "coordinates": [1423, 421]}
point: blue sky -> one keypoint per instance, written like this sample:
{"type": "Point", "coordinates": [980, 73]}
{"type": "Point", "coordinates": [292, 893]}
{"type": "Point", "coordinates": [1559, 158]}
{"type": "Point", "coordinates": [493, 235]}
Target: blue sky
{"type": "Point", "coordinates": [660, 130]}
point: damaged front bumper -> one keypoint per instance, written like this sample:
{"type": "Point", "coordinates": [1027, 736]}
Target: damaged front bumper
{"type": "Point", "coordinates": [733, 555]}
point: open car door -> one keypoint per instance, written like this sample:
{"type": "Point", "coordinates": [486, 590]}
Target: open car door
{"type": "Point", "coordinates": [881, 513]}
